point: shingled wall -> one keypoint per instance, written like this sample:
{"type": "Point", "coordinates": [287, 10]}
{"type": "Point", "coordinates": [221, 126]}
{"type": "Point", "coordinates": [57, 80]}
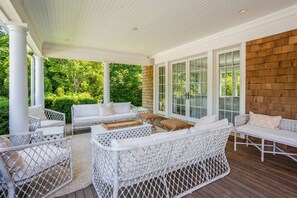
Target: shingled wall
{"type": "Point", "coordinates": [271, 75]}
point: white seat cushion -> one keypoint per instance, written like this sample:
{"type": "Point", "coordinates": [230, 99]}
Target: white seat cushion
{"type": "Point", "coordinates": [86, 110]}
{"type": "Point", "coordinates": [51, 123]}
{"type": "Point", "coordinates": [121, 107]}
{"type": "Point", "coordinates": [280, 136]}
{"type": "Point", "coordinates": [92, 119]}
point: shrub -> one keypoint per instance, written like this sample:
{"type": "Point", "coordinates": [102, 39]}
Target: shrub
{"type": "Point", "coordinates": [64, 103]}
{"type": "Point", "coordinates": [4, 116]}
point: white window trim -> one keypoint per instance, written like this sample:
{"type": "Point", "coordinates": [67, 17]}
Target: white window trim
{"type": "Point", "coordinates": [156, 92]}
{"type": "Point", "coordinates": [242, 77]}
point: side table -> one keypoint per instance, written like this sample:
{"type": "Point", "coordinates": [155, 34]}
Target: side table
{"type": "Point", "coordinates": [149, 117]}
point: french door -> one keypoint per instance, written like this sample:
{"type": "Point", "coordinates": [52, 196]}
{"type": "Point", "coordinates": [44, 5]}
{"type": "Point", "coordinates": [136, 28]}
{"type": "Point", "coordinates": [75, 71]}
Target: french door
{"type": "Point", "coordinates": [229, 84]}
{"type": "Point", "coordinates": [189, 88]}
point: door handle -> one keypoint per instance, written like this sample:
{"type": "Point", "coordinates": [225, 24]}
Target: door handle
{"type": "Point", "coordinates": [187, 95]}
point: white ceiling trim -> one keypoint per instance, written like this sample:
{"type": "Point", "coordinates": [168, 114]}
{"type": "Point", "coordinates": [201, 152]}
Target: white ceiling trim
{"type": "Point", "coordinates": [277, 22]}
{"type": "Point", "coordinates": [78, 53]}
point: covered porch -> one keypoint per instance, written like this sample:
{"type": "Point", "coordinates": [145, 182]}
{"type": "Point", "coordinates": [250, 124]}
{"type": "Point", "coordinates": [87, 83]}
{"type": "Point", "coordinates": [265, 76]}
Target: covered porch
{"type": "Point", "coordinates": [199, 59]}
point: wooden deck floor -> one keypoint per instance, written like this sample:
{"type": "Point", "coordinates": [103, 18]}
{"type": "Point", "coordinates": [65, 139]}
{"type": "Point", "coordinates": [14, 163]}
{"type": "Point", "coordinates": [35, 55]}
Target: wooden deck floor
{"type": "Point", "coordinates": [249, 177]}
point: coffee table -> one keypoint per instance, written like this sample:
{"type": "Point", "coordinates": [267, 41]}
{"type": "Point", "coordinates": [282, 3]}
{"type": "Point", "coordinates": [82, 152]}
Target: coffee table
{"type": "Point", "coordinates": [104, 136]}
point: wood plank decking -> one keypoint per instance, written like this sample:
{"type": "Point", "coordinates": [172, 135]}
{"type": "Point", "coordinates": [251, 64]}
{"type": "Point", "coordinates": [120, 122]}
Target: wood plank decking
{"type": "Point", "coordinates": [249, 177]}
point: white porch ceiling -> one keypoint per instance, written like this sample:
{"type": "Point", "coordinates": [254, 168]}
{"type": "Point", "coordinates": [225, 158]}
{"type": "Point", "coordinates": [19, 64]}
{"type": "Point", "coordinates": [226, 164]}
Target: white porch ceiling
{"type": "Point", "coordinates": [161, 24]}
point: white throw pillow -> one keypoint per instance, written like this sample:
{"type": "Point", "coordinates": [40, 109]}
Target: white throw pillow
{"type": "Point", "coordinates": [12, 159]}
{"type": "Point", "coordinates": [205, 120]}
{"type": "Point", "coordinates": [106, 109]}
{"type": "Point", "coordinates": [215, 125]}
{"type": "Point", "coordinates": [37, 111]}
{"type": "Point", "coordinates": [265, 121]}
{"type": "Point", "coordinates": [121, 107]}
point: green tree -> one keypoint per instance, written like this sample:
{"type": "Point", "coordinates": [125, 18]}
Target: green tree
{"type": "Point", "coordinates": [72, 77]}
{"type": "Point", "coordinates": [4, 54]}
{"type": "Point", "coordinates": [125, 83]}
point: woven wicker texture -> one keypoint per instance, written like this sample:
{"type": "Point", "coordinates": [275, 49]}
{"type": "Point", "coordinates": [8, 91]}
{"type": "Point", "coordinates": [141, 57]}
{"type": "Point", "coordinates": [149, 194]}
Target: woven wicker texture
{"type": "Point", "coordinates": [47, 166]}
{"type": "Point", "coordinates": [35, 122]}
{"type": "Point", "coordinates": [166, 169]}
{"type": "Point", "coordinates": [105, 138]}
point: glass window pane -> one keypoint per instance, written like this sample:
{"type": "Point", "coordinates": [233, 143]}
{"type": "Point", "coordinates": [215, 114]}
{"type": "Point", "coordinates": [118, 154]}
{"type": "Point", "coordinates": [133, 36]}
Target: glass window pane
{"type": "Point", "coordinates": [229, 78]}
{"type": "Point", "coordinates": [222, 60]}
{"type": "Point", "coordinates": [229, 60]}
{"type": "Point", "coordinates": [236, 57]}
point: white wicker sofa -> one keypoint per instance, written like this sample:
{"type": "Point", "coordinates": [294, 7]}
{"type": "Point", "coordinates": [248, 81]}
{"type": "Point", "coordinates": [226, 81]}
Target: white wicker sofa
{"type": "Point", "coordinates": [161, 165]}
{"type": "Point", "coordinates": [32, 167]}
{"type": "Point", "coordinates": [86, 115]}
{"type": "Point", "coordinates": [286, 134]}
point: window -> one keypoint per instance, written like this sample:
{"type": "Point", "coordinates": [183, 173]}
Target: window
{"type": "Point", "coordinates": [229, 85]}
{"type": "Point", "coordinates": [198, 87]}
{"type": "Point", "coordinates": [179, 88]}
{"type": "Point", "coordinates": [161, 94]}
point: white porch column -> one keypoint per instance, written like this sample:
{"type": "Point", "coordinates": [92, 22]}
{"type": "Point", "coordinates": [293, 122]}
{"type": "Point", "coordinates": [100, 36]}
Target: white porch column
{"type": "Point", "coordinates": [32, 83]}
{"type": "Point", "coordinates": [18, 81]}
{"type": "Point", "coordinates": [106, 95]}
{"type": "Point", "coordinates": [39, 81]}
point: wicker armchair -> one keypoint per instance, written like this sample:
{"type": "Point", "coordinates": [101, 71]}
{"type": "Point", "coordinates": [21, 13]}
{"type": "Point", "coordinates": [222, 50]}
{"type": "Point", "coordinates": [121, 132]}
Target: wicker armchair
{"type": "Point", "coordinates": [33, 167]}
{"type": "Point", "coordinates": [41, 118]}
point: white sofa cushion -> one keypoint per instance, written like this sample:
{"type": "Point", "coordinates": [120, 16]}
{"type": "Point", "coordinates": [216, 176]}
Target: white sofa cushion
{"type": "Point", "coordinates": [265, 121]}
{"type": "Point", "coordinates": [280, 136]}
{"type": "Point", "coordinates": [114, 117]}
{"type": "Point", "coordinates": [205, 120]}
{"type": "Point", "coordinates": [121, 107]}
{"type": "Point", "coordinates": [106, 109]}
{"type": "Point", "coordinates": [51, 123]}
{"type": "Point", "coordinates": [215, 125]}
{"type": "Point", "coordinates": [37, 111]}
{"type": "Point", "coordinates": [86, 110]}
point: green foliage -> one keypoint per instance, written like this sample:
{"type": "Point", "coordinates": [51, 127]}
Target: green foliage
{"type": "Point", "coordinates": [4, 116]}
{"type": "Point", "coordinates": [64, 103]}
{"type": "Point", "coordinates": [70, 77]}
{"type": "Point", "coordinates": [125, 83]}
{"type": "Point", "coordinates": [4, 51]}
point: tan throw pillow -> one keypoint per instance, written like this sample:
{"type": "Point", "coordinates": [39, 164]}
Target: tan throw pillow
{"type": "Point", "coordinates": [265, 121]}
{"type": "Point", "coordinates": [37, 111]}
{"type": "Point", "coordinates": [12, 159]}
{"type": "Point", "coordinates": [106, 109]}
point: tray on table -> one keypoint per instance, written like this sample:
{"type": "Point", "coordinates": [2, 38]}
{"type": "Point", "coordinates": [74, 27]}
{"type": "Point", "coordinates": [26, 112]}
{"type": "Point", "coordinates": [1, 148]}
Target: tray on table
{"type": "Point", "coordinates": [121, 124]}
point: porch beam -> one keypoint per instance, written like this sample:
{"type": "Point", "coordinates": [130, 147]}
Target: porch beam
{"type": "Point", "coordinates": [39, 80]}
{"type": "Point", "coordinates": [18, 81]}
{"type": "Point", "coordinates": [106, 95]}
